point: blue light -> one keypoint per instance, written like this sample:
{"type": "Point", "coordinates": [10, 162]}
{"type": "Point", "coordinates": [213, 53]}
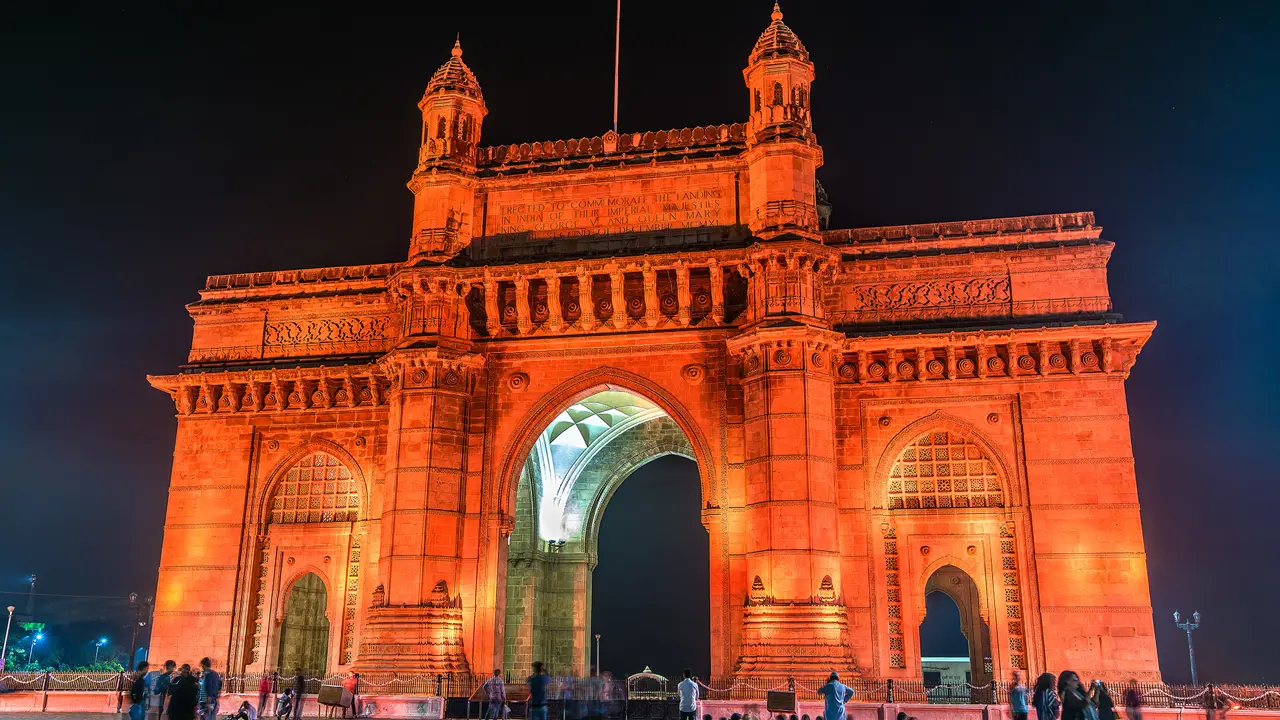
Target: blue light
{"type": "Point", "coordinates": [39, 636]}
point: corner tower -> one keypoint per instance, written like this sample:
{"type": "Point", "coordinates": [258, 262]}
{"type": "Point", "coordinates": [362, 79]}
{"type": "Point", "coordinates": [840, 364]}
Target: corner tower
{"type": "Point", "coordinates": [443, 183]}
{"type": "Point", "coordinates": [782, 151]}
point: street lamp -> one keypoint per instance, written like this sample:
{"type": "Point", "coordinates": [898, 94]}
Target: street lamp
{"type": "Point", "coordinates": [1188, 626]}
{"type": "Point", "coordinates": [96, 645]}
{"type": "Point", "coordinates": [31, 654]}
{"type": "Point", "coordinates": [139, 621]}
{"type": "Point", "coordinates": [4, 650]}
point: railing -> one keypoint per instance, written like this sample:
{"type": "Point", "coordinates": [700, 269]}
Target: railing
{"type": "Point", "coordinates": [737, 688]}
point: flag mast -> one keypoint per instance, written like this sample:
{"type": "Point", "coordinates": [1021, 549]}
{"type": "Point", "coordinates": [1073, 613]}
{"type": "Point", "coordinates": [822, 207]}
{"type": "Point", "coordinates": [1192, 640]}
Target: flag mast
{"type": "Point", "coordinates": [617, 41]}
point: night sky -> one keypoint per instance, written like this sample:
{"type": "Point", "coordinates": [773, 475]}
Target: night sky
{"type": "Point", "coordinates": [143, 148]}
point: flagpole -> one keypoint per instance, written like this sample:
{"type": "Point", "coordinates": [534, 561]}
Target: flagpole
{"type": "Point", "coordinates": [617, 42]}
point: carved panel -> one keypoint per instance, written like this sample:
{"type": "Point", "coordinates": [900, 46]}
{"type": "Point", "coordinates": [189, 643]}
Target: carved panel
{"type": "Point", "coordinates": [934, 293]}
{"type": "Point", "coordinates": [319, 331]}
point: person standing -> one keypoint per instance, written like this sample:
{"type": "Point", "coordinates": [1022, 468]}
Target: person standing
{"type": "Point", "coordinates": [350, 689]}
{"type": "Point", "coordinates": [538, 692]}
{"type": "Point", "coordinates": [1018, 697]}
{"type": "Point", "coordinates": [160, 686]}
{"type": "Point", "coordinates": [1045, 698]}
{"type": "Point", "coordinates": [264, 689]}
{"type": "Point", "coordinates": [299, 687]}
{"type": "Point", "coordinates": [184, 693]}
{"type": "Point", "coordinates": [1101, 698]}
{"type": "Point", "coordinates": [1133, 701]}
{"type": "Point", "coordinates": [495, 691]}
{"type": "Point", "coordinates": [139, 693]}
{"type": "Point", "coordinates": [210, 690]}
{"type": "Point", "coordinates": [1075, 704]}
{"type": "Point", "coordinates": [835, 695]}
{"type": "Point", "coordinates": [688, 696]}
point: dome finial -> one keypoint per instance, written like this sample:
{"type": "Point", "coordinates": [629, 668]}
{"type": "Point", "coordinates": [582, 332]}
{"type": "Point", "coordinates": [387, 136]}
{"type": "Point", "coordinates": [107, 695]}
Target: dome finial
{"type": "Point", "coordinates": [777, 12]}
{"type": "Point", "coordinates": [457, 47]}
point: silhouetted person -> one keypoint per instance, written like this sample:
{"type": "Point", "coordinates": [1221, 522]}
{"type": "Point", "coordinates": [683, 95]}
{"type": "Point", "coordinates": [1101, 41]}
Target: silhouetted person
{"type": "Point", "coordinates": [299, 692]}
{"type": "Point", "coordinates": [160, 686]}
{"type": "Point", "coordinates": [1101, 697]}
{"type": "Point", "coordinates": [688, 696]}
{"type": "Point", "coordinates": [210, 689]}
{"type": "Point", "coordinates": [1133, 701]}
{"type": "Point", "coordinates": [1018, 697]}
{"type": "Point", "coordinates": [538, 693]}
{"type": "Point", "coordinates": [835, 694]}
{"type": "Point", "coordinates": [184, 693]}
{"type": "Point", "coordinates": [138, 693]}
{"type": "Point", "coordinates": [1045, 698]}
{"type": "Point", "coordinates": [1075, 703]}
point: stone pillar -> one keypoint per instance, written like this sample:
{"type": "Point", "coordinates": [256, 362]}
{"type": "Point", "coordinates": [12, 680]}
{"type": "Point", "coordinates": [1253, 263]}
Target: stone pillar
{"type": "Point", "coordinates": [683, 298]}
{"type": "Point", "coordinates": [717, 292]}
{"type": "Point", "coordinates": [651, 310]}
{"type": "Point", "coordinates": [793, 553]}
{"type": "Point", "coordinates": [616, 280]}
{"type": "Point", "coordinates": [416, 623]}
{"type": "Point", "coordinates": [553, 302]}
{"type": "Point", "coordinates": [585, 303]}
{"type": "Point", "coordinates": [524, 324]}
{"type": "Point", "coordinates": [492, 316]}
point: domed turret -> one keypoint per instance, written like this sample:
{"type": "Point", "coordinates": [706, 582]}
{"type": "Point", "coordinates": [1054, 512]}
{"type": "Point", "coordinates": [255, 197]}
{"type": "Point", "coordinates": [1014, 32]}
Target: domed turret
{"type": "Point", "coordinates": [452, 111]}
{"type": "Point", "coordinates": [778, 77]}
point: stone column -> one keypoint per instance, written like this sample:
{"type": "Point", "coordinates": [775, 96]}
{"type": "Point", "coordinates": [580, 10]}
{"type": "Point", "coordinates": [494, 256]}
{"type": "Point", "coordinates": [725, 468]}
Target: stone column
{"type": "Point", "coordinates": [616, 280]}
{"type": "Point", "coordinates": [683, 298]}
{"type": "Point", "coordinates": [416, 623]}
{"type": "Point", "coordinates": [588, 316]}
{"type": "Point", "coordinates": [492, 316]}
{"type": "Point", "coordinates": [651, 311]}
{"type": "Point", "coordinates": [553, 302]}
{"type": "Point", "coordinates": [717, 292]}
{"type": "Point", "coordinates": [524, 324]}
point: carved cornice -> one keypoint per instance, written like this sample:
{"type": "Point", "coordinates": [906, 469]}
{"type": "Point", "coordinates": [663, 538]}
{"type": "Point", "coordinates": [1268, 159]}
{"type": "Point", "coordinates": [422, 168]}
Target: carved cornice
{"type": "Point", "coordinates": [1005, 354]}
{"type": "Point", "coordinates": [431, 368]}
{"type": "Point", "coordinates": [276, 390]}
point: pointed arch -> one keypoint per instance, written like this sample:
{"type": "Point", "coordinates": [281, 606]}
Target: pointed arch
{"type": "Point", "coordinates": [546, 409]}
{"type": "Point", "coordinates": [1010, 479]}
{"type": "Point", "coordinates": [262, 512]}
{"type": "Point", "coordinates": [294, 578]}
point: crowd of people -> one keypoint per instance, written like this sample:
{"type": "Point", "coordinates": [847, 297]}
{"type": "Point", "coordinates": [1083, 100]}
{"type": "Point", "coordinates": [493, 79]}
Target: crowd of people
{"type": "Point", "coordinates": [181, 693]}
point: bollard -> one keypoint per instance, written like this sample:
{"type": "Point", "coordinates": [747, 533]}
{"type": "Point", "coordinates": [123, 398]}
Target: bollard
{"type": "Point", "coordinates": [439, 685]}
{"type": "Point", "coordinates": [888, 692]}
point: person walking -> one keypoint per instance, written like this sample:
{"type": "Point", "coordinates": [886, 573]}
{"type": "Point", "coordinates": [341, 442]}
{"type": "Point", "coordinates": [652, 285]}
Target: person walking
{"type": "Point", "coordinates": [1101, 697]}
{"type": "Point", "coordinates": [688, 696]}
{"type": "Point", "coordinates": [264, 690]}
{"type": "Point", "coordinates": [184, 693]}
{"type": "Point", "coordinates": [1045, 698]}
{"type": "Point", "coordinates": [1075, 703]}
{"type": "Point", "coordinates": [210, 690]}
{"type": "Point", "coordinates": [299, 688]}
{"type": "Point", "coordinates": [1018, 697]}
{"type": "Point", "coordinates": [835, 694]}
{"type": "Point", "coordinates": [538, 692]}
{"type": "Point", "coordinates": [495, 691]}
{"type": "Point", "coordinates": [139, 693]}
{"type": "Point", "coordinates": [1133, 700]}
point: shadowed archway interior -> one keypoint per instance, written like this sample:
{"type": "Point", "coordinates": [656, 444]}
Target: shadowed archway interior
{"type": "Point", "coordinates": [576, 466]}
{"type": "Point", "coordinates": [954, 637]}
{"type": "Point", "coordinates": [304, 637]}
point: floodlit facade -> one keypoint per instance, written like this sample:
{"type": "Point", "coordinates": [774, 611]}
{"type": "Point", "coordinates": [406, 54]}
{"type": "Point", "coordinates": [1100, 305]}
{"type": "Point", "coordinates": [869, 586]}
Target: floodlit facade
{"type": "Point", "coordinates": [404, 466]}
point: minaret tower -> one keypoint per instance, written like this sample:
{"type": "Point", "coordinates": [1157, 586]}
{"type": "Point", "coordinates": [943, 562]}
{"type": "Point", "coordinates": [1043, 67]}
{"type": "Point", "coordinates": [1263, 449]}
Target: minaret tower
{"type": "Point", "coordinates": [782, 151]}
{"type": "Point", "coordinates": [444, 183]}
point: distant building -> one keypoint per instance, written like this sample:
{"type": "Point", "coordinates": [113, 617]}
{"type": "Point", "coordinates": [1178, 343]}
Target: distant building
{"type": "Point", "coordinates": [945, 671]}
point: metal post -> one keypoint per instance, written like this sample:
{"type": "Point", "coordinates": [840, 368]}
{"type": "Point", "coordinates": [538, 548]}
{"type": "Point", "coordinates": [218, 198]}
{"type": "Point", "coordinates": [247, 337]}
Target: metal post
{"type": "Point", "coordinates": [888, 695]}
{"type": "Point", "coordinates": [31, 598]}
{"type": "Point", "coordinates": [617, 44]}
{"type": "Point", "coordinates": [1189, 626]}
{"type": "Point", "coordinates": [4, 650]}
{"type": "Point", "coordinates": [598, 669]}
{"type": "Point", "coordinates": [1191, 654]}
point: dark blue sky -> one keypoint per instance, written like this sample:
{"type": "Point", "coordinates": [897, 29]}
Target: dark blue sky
{"type": "Point", "coordinates": [143, 148]}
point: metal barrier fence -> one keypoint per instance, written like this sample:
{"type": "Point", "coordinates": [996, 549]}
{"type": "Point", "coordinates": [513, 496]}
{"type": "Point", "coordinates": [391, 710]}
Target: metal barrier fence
{"type": "Point", "coordinates": [738, 688]}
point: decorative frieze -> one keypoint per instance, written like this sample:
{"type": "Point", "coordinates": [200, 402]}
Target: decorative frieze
{"type": "Point", "coordinates": [276, 390]}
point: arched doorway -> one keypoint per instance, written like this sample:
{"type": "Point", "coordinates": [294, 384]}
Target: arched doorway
{"type": "Point", "coordinates": [650, 590]}
{"type": "Point", "coordinates": [951, 589]}
{"type": "Point", "coordinates": [576, 464]}
{"type": "Point", "coordinates": [304, 636]}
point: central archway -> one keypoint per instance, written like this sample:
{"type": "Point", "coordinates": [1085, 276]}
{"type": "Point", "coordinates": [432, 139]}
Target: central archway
{"type": "Point", "coordinates": [576, 462]}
